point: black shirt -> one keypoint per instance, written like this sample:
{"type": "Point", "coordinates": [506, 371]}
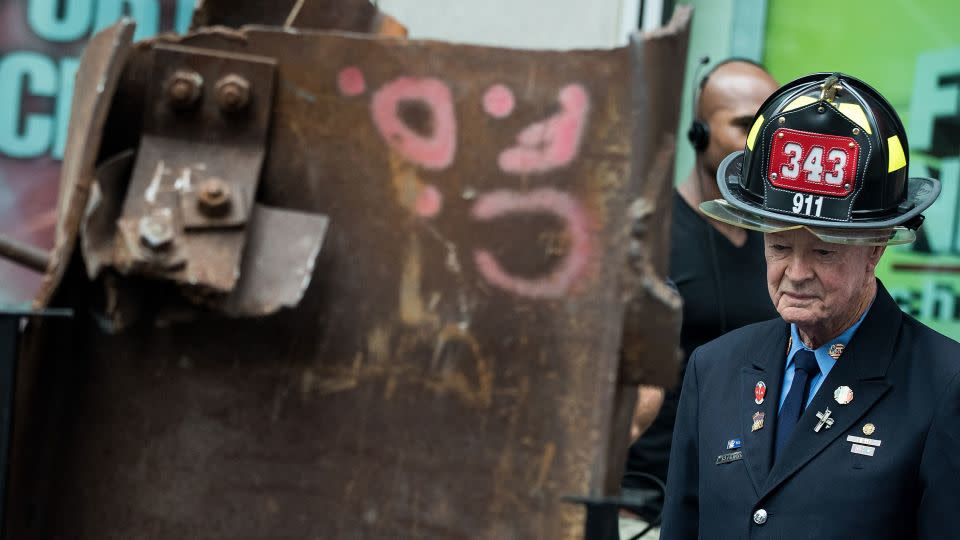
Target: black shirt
{"type": "Point", "coordinates": [723, 287]}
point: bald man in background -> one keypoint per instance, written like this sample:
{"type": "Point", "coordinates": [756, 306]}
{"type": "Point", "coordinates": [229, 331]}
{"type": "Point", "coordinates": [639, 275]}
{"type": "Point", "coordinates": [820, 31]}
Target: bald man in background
{"type": "Point", "coordinates": [719, 269]}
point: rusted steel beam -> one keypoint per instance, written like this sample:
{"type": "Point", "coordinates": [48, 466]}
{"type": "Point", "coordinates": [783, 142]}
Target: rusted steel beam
{"type": "Point", "coordinates": [97, 78]}
{"type": "Point", "coordinates": [453, 368]}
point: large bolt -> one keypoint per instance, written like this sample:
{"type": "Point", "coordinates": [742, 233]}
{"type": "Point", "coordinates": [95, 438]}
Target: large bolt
{"type": "Point", "coordinates": [156, 230]}
{"type": "Point", "coordinates": [233, 93]}
{"type": "Point", "coordinates": [213, 197]}
{"type": "Point", "coordinates": [184, 88]}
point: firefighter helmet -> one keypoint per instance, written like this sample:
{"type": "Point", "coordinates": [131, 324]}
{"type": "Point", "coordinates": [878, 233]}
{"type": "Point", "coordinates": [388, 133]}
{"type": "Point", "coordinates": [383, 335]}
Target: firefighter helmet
{"type": "Point", "coordinates": [829, 153]}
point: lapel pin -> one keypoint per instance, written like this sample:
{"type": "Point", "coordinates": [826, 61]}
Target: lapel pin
{"type": "Point", "coordinates": [863, 450]}
{"type": "Point", "coordinates": [868, 429]}
{"type": "Point", "coordinates": [843, 395]}
{"type": "Point", "coordinates": [825, 420]}
{"type": "Point", "coordinates": [757, 421]}
{"type": "Point", "coordinates": [759, 391]}
{"type": "Point", "coordinates": [835, 350]}
{"type": "Point", "coordinates": [863, 441]}
{"type": "Point", "coordinates": [733, 444]}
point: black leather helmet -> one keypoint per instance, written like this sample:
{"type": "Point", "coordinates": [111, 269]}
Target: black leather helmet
{"type": "Point", "coordinates": [829, 153]}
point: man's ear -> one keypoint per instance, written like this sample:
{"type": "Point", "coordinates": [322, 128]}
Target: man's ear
{"type": "Point", "coordinates": [874, 256]}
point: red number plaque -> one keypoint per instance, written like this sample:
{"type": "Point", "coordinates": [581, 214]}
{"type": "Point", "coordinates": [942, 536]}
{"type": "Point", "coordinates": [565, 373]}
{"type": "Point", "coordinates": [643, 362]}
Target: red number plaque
{"type": "Point", "coordinates": [813, 163]}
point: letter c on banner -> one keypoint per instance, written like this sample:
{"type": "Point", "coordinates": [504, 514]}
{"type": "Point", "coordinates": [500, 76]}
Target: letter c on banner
{"type": "Point", "coordinates": [39, 75]}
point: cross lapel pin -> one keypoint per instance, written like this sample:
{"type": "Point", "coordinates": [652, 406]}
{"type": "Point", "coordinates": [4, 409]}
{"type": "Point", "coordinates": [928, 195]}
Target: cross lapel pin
{"type": "Point", "coordinates": [825, 420]}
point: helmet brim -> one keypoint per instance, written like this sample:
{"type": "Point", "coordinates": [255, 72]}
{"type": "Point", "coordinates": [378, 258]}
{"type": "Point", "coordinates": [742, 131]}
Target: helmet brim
{"type": "Point", "coordinates": [722, 210]}
{"type": "Point", "coordinates": [921, 193]}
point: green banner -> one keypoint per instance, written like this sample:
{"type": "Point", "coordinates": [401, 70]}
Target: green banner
{"type": "Point", "coordinates": [910, 52]}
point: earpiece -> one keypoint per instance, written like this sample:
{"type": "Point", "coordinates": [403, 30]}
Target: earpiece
{"type": "Point", "coordinates": [699, 135]}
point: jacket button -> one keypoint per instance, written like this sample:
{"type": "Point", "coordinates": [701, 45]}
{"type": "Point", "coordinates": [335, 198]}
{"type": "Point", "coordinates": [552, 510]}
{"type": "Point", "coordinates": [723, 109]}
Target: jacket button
{"type": "Point", "coordinates": [760, 516]}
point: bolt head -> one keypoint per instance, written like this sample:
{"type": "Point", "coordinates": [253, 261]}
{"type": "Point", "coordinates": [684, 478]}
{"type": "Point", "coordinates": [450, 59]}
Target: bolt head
{"type": "Point", "coordinates": [233, 93]}
{"type": "Point", "coordinates": [156, 230]}
{"type": "Point", "coordinates": [184, 88]}
{"type": "Point", "coordinates": [213, 197]}
{"type": "Point", "coordinates": [781, 120]}
{"type": "Point", "coordinates": [856, 131]}
{"type": "Point", "coordinates": [773, 176]}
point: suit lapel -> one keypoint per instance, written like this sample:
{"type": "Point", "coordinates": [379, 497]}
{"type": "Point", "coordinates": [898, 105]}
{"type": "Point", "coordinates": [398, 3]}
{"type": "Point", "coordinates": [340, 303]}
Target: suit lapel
{"type": "Point", "coordinates": [766, 365]}
{"type": "Point", "coordinates": [863, 368]}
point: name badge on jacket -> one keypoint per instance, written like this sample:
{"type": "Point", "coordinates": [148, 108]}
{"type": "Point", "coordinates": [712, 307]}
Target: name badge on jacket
{"type": "Point", "coordinates": [729, 458]}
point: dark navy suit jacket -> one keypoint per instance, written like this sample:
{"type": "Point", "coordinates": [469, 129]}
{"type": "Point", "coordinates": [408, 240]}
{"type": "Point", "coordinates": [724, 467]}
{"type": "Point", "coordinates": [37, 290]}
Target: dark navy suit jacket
{"type": "Point", "coordinates": [906, 382]}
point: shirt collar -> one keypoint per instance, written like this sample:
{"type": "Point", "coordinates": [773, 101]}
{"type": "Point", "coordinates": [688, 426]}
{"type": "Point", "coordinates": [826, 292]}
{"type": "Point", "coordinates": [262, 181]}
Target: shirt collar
{"type": "Point", "coordinates": [822, 353]}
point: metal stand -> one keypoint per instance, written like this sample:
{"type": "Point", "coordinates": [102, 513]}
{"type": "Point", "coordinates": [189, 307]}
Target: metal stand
{"type": "Point", "coordinates": [602, 516]}
{"type": "Point", "coordinates": [603, 512]}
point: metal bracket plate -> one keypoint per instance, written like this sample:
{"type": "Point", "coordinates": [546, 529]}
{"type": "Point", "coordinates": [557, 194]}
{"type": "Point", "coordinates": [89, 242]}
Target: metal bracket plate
{"type": "Point", "coordinates": [197, 168]}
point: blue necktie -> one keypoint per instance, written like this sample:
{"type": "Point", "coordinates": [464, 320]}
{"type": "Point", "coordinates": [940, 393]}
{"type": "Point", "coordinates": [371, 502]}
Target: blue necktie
{"type": "Point", "coordinates": [806, 369]}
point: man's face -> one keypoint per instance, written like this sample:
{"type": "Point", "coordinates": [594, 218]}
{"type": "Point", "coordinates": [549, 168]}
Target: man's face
{"type": "Point", "coordinates": [816, 284]}
{"type": "Point", "coordinates": [728, 103]}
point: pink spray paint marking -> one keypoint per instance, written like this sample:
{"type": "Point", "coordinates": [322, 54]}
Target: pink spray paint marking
{"type": "Point", "coordinates": [351, 82]}
{"type": "Point", "coordinates": [435, 151]}
{"type": "Point", "coordinates": [551, 143]}
{"type": "Point", "coordinates": [429, 202]}
{"type": "Point", "coordinates": [545, 200]}
{"type": "Point", "coordinates": [498, 101]}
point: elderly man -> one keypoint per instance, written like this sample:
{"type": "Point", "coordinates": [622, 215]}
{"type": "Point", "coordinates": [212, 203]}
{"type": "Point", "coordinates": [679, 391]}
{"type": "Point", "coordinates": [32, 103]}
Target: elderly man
{"type": "Point", "coordinates": [841, 419]}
